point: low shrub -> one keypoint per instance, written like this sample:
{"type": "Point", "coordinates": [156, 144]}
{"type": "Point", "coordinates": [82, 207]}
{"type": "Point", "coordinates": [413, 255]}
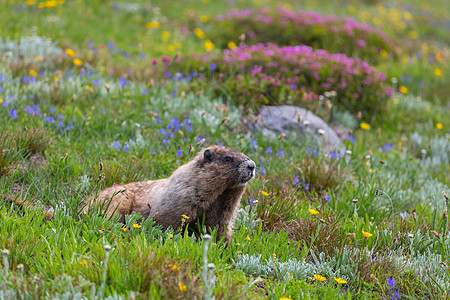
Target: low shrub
{"type": "Point", "coordinates": [265, 74]}
{"type": "Point", "coordinates": [287, 28]}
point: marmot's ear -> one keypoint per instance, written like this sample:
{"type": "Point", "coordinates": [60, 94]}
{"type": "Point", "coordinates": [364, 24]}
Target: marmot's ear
{"type": "Point", "coordinates": [207, 155]}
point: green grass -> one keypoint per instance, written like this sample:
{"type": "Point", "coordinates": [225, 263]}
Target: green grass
{"type": "Point", "coordinates": [389, 184]}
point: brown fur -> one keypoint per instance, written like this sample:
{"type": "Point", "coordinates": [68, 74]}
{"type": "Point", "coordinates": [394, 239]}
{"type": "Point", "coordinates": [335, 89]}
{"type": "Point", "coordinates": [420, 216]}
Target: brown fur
{"type": "Point", "coordinates": [210, 185]}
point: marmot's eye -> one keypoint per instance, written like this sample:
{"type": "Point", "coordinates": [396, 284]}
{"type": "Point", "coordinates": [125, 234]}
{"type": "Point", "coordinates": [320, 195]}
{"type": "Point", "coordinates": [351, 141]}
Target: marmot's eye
{"type": "Point", "coordinates": [229, 159]}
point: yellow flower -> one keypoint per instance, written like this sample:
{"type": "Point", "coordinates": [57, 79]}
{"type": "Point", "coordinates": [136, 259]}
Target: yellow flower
{"type": "Point", "coordinates": [182, 287]}
{"type": "Point", "coordinates": [364, 126]}
{"type": "Point", "coordinates": [407, 15]}
{"type": "Point", "coordinates": [171, 235]}
{"type": "Point", "coordinates": [383, 53]}
{"type": "Point", "coordinates": [265, 193]}
{"type": "Point", "coordinates": [320, 278]}
{"type": "Point", "coordinates": [340, 280]}
{"type": "Point", "coordinates": [376, 21]}
{"type": "Point", "coordinates": [30, 2]}
{"type": "Point", "coordinates": [284, 298]}
{"type": "Point", "coordinates": [1, 100]}
{"type": "Point", "coordinates": [70, 52]}
{"type": "Point", "coordinates": [313, 211]}
{"type": "Point", "coordinates": [171, 48]}
{"type": "Point", "coordinates": [209, 45]}
{"type": "Point", "coordinates": [403, 89]}
{"type": "Point", "coordinates": [438, 72]}
{"type": "Point", "coordinates": [174, 267]}
{"type": "Point", "coordinates": [55, 79]}
{"type": "Point", "coordinates": [77, 62]}
{"type": "Point", "coordinates": [371, 170]}
{"type": "Point", "coordinates": [33, 73]}
{"type": "Point", "coordinates": [366, 234]}
{"type": "Point", "coordinates": [37, 58]}
{"type": "Point", "coordinates": [165, 36]}
{"type": "Point", "coordinates": [204, 19]}
{"type": "Point", "coordinates": [185, 217]}
{"type": "Point", "coordinates": [413, 35]}
{"type": "Point", "coordinates": [351, 8]}
{"type": "Point", "coordinates": [136, 226]}
{"type": "Point", "coordinates": [396, 101]}
{"type": "Point", "coordinates": [427, 109]}
{"type": "Point", "coordinates": [248, 238]}
{"type": "Point", "coordinates": [124, 228]}
{"type": "Point", "coordinates": [199, 33]}
{"type": "Point", "coordinates": [153, 24]}
{"type": "Point", "coordinates": [83, 262]}
{"type": "Point", "coordinates": [231, 45]}
{"type": "Point", "coordinates": [439, 126]}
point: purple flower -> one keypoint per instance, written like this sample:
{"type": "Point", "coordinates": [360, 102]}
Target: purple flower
{"type": "Point", "coordinates": [396, 295]}
{"type": "Point", "coordinates": [269, 150]}
{"type": "Point", "coordinates": [116, 145]}
{"type": "Point", "coordinates": [391, 281]}
{"type": "Point", "coordinates": [179, 152]}
{"type": "Point", "coordinates": [280, 153]}
{"type": "Point", "coordinates": [125, 148]}
{"type": "Point", "coordinates": [296, 180]}
{"type": "Point", "coordinates": [252, 201]}
{"type": "Point", "coordinates": [328, 198]}
{"type": "Point", "coordinates": [13, 113]}
{"type": "Point", "coordinates": [307, 187]}
{"type": "Point", "coordinates": [212, 66]}
{"type": "Point", "coordinates": [95, 82]}
{"type": "Point", "coordinates": [25, 79]}
{"type": "Point", "coordinates": [350, 137]}
{"type": "Point", "coordinates": [263, 170]}
{"type": "Point", "coordinates": [90, 44]}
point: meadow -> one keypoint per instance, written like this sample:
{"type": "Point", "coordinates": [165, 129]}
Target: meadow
{"type": "Point", "coordinates": [94, 93]}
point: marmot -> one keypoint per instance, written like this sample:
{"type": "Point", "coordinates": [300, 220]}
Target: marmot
{"type": "Point", "coordinates": [210, 186]}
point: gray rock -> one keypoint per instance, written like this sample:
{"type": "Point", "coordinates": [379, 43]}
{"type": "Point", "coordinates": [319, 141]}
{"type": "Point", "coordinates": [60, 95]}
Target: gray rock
{"type": "Point", "coordinates": [284, 119]}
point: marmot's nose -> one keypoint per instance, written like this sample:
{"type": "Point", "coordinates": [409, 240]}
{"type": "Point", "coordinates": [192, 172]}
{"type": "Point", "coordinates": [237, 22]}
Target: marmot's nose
{"type": "Point", "coordinates": [251, 165]}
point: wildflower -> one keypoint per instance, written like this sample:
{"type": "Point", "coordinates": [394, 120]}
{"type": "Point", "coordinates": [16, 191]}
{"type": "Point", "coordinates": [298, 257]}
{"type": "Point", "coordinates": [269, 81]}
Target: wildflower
{"type": "Point", "coordinates": [182, 287]}
{"type": "Point", "coordinates": [280, 153]}
{"type": "Point", "coordinates": [124, 228]}
{"type": "Point", "coordinates": [265, 193]}
{"type": "Point", "coordinates": [199, 33]}
{"type": "Point", "coordinates": [403, 89]}
{"type": "Point", "coordinates": [320, 278]}
{"type": "Point", "coordinates": [165, 36]}
{"type": "Point", "coordinates": [37, 58]}
{"type": "Point", "coordinates": [153, 24]}
{"type": "Point", "coordinates": [204, 19]}
{"type": "Point", "coordinates": [295, 181]}
{"type": "Point", "coordinates": [248, 238]}
{"type": "Point", "coordinates": [83, 262]}
{"type": "Point", "coordinates": [307, 187]}
{"type": "Point", "coordinates": [366, 234]}
{"type": "Point", "coordinates": [391, 281]}
{"type": "Point", "coordinates": [231, 45]}
{"type": "Point", "coordinates": [328, 198]}
{"type": "Point", "coordinates": [438, 72]}
{"type": "Point", "coordinates": [33, 73]}
{"type": "Point", "coordinates": [413, 35]}
{"type": "Point", "coordinates": [174, 267]}
{"type": "Point", "coordinates": [185, 217]}
{"type": "Point", "coordinates": [313, 211]}
{"type": "Point", "coordinates": [70, 52]}
{"type": "Point", "coordinates": [371, 170]}
{"type": "Point", "coordinates": [364, 126]}
{"type": "Point", "coordinates": [77, 62]}
{"type": "Point", "coordinates": [340, 280]}
{"type": "Point", "coordinates": [13, 113]}
{"type": "Point", "coordinates": [209, 46]}
{"type": "Point", "coordinates": [396, 101]}
{"type": "Point", "coordinates": [171, 236]}
{"type": "Point", "coordinates": [136, 226]}
{"type": "Point", "coordinates": [285, 298]}
{"type": "Point", "coordinates": [439, 126]}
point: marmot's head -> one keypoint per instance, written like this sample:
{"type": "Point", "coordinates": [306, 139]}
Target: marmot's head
{"type": "Point", "coordinates": [224, 164]}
